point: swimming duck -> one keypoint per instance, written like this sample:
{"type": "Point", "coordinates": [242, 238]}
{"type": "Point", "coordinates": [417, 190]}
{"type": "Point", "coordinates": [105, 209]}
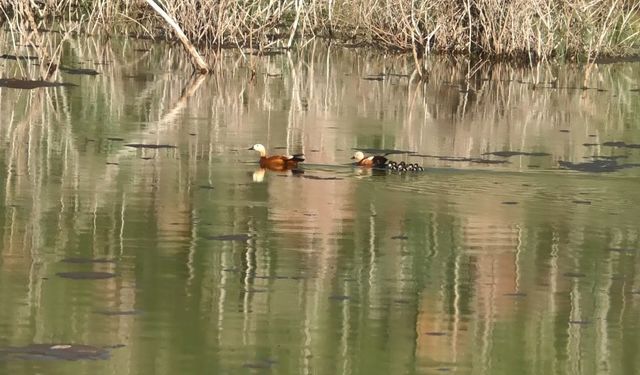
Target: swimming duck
{"type": "Point", "coordinates": [369, 161]}
{"type": "Point", "coordinates": [277, 162]}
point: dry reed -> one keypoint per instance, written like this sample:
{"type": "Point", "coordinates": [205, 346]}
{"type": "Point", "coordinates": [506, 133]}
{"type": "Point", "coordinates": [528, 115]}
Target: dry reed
{"type": "Point", "coordinates": [539, 29]}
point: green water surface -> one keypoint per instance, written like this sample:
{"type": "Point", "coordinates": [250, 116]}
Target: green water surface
{"type": "Point", "coordinates": [466, 268]}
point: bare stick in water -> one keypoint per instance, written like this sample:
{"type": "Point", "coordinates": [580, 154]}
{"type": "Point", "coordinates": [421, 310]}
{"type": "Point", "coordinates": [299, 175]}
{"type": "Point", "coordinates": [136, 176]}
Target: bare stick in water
{"type": "Point", "coordinates": [202, 66]}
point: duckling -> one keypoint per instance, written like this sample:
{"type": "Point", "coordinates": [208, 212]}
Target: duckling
{"type": "Point", "coordinates": [277, 162]}
{"type": "Point", "coordinates": [369, 161]}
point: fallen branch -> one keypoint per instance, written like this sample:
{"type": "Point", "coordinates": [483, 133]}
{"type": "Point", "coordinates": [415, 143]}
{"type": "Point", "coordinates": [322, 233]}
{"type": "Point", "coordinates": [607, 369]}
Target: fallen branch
{"type": "Point", "coordinates": [201, 65]}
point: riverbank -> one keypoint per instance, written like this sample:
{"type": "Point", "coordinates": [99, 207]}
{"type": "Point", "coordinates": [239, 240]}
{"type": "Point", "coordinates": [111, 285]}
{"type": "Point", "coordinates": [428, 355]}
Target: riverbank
{"type": "Point", "coordinates": [530, 31]}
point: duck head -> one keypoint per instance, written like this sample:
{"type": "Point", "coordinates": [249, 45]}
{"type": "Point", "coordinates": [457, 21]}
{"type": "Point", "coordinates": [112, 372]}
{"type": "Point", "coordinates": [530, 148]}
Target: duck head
{"type": "Point", "coordinates": [357, 156]}
{"type": "Point", "coordinates": [260, 148]}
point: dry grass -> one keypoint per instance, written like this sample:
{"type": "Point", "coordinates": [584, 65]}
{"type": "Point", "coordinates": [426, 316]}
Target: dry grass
{"type": "Point", "coordinates": [529, 30]}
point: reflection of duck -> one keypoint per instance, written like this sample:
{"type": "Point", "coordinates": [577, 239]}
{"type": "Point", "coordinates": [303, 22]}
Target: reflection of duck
{"type": "Point", "coordinates": [369, 161]}
{"type": "Point", "coordinates": [258, 175]}
{"type": "Point", "coordinates": [277, 162]}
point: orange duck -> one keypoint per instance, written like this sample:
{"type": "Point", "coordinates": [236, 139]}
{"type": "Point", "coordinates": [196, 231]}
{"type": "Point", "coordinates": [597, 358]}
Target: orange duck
{"type": "Point", "coordinates": [369, 161]}
{"type": "Point", "coordinates": [277, 162]}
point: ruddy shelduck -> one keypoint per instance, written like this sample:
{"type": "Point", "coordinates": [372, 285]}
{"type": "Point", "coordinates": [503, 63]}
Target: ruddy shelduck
{"type": "Point", "coordinates": [277, 162]}
{"type": "Point", "coordinates": [369, 161]}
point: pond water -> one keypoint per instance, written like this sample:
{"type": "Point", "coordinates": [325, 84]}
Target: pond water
{"type": "Point", "coordinates": [192, 260]}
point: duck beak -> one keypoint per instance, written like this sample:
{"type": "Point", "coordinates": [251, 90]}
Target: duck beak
{"type": "Point", "coordinates": [250, 148]}
{"type": "Point", "coordinates": [353, 157]}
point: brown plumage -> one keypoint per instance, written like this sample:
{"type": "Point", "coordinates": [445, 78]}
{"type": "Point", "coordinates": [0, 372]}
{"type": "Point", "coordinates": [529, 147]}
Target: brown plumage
{"type": "Point", "coordinates": [369, 161]}
{"type": "Point", "coordinates": [277, 162]}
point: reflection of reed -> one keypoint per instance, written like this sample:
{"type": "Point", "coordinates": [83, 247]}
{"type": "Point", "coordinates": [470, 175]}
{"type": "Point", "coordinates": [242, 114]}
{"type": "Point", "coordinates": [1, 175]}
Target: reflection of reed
{"type": "Point", "coordinates": [321, 273]}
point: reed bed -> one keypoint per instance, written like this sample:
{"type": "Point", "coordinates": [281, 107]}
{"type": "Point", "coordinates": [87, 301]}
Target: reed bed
{"type": "Point", "coordinates": [507, 29]}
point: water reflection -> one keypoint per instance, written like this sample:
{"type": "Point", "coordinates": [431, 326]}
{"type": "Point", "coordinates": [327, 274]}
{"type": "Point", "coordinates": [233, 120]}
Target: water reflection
{"type": "Point", "coordinates": [336, 270]}
{"type": "Point", "coordinates": [258, 175]}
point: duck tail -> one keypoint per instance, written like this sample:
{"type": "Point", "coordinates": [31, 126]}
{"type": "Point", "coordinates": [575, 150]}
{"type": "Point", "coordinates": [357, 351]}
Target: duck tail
{"type": "Point", "coordinates": [379, 161]}
{"type": "Point", "coordinates": [297, 157]}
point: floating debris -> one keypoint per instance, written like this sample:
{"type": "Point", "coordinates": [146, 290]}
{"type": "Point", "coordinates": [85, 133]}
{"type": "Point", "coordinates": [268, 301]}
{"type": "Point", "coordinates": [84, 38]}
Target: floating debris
{"type": "Point", "coordinates": [271, 277]}
{"type": "Point", "coordinates": [67, 352]}
{"type": "Point", "coordinates": [614, 144]}
{"type": "Point", "coordinates": [515, 294]}
{"type": "Point", "coordinates": [79, 71]}
{"type": "Point", "coordinates": [321, 178]}
{"type": "Point", "coordinates": [454, 158]}
{"type": "Point", "coordinates": [143, 77]}
{"type": "Point", "coordinates": [25, 84]}
{"type": "Point", "coordinates": [260, 364]}
{"type": "Point", "coordinates": [591, 144]}
{"type": "Point", "coordinates": [507, 154]}
{"type": "Point", "coordinates": [596, 166]}
{"type": "Point", "coordinates": [401, 301]}
{"type": "Point", "coordinates": [86, 275]}
{"type": "Point", "coordinates": [115, 139]}
{"type": "Point", "coordinates": [206, 187]}
{"type": "Point", "coordinates": [621, 144]}
{"type": "Point", "coordinates": [510, 202]}
{"type": "Point", "coordinates": [337, 297]}
{"type": "Point", "coordinates": [400, 237]}
{"type": "Point", "coordinates": [564, 131]}
{"type": "Point", "coordinates": [579, 322]}
{"type": "Point", "coordinates": [489, 161]}
{"type": "Point", "coordinates": [573, 274]}
{"type": "Point", "coordinates": [87, 260]}
{"type": "Point", "coordinates": [577, 201]}
{"type": "Point", "coordinates": [118, 312]}
{"type": "Point", "coordinates": [229, 237]}
{"type": "Point", "coordinates": [152, 146]}
{"type": "Point", "coordinates": [379, 77]}
{"type": "Point", "coordinates": [16, 58]}
{"type": "Point", "coordinates": [435, 333]}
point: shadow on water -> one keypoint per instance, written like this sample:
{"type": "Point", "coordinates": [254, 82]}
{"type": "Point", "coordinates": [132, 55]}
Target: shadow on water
{"type": "Point", "coordinates": [25, 84]}
{"type": "Point", "coordinates": [597, 166]}
{"type": "Point", "coordinates": [86, 275]}
{"type": "Point", "coordinates": [64, 352]}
